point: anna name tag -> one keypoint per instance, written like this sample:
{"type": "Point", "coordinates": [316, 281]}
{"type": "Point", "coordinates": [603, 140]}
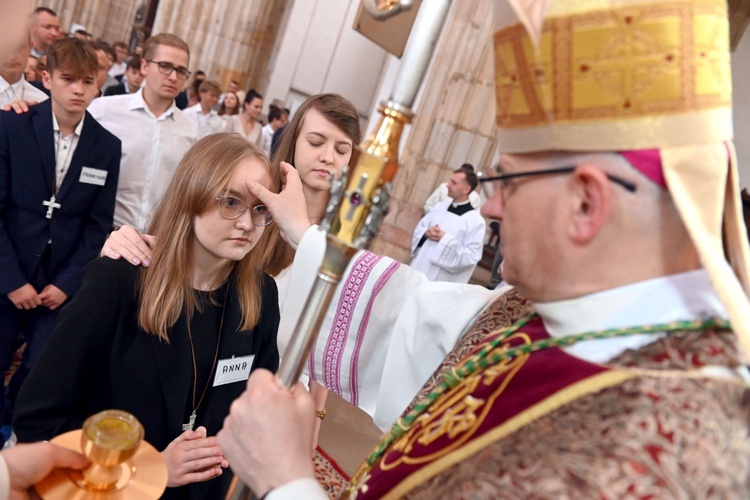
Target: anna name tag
{"type": "Point", "coordinates": [93, 176]}
{"type": "Point", "coordinates": [233, 370]}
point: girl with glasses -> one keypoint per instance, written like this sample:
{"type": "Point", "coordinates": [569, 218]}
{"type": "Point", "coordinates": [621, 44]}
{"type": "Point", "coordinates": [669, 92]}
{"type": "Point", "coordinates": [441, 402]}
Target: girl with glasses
{"type": "Point", "coordinates": [317, 142]}
{"type": "Point", "coordinates": [172, 343]}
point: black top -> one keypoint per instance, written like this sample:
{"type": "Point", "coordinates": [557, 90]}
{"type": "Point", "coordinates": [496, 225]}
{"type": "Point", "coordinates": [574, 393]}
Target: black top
{"type": "Point", "coordinates": [99, 358]}
{"type": "Point", "coordinates": [460, 209]}
{"type": "Point", "coordinates": [204, 330]}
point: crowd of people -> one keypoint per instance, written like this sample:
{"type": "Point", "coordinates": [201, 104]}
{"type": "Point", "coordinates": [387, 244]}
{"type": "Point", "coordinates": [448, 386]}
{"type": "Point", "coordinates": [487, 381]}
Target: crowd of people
{"type": "Point", "coordinates": [612, 365]}
{"type": "Point", "coordinates": [110, 147]}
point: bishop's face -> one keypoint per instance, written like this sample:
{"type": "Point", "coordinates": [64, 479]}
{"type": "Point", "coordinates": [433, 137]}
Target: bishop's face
{"type": "Point", "coordinates": [530, 227]}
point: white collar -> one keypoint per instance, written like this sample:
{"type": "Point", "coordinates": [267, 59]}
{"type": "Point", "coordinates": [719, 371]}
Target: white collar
{"type": "Point", "coordinates": [211, 112]}
{"type": "Point", "coordinates": [137, 102]}
{"type": "Point", "coordinates": [76, 131]}
{"type": "Point", "coordinates": [16, 86]}
{"type": "Point", "coordinates": [684, 296]}
{"type": "Point", "coordinates": [456, 205]}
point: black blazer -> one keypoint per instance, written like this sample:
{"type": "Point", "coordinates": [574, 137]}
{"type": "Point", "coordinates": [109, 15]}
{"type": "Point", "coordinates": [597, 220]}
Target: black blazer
{"type": "Point", "coordinates": [98, 358]}
{"type": "Point", "coordinates": [115, 90]}
{"type": "Point", "coordinates": [27, 174]}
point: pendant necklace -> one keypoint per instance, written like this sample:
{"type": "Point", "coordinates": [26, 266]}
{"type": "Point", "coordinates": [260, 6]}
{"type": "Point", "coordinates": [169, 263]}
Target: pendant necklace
{"type": "Point", "coordinates": [191, 422]}
{"type": "Point", "coordinates": [52, 203]}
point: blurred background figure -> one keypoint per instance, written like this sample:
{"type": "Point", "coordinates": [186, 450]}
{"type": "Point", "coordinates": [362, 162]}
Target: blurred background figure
{"type": "Point", "coordinates": [45, 29]}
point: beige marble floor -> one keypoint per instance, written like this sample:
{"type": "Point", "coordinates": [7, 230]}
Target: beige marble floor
{"type": "Point", "coordinates": [348, 434]}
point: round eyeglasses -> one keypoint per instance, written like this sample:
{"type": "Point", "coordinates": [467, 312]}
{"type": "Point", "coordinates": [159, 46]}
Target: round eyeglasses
{"type": "Point", "coordinates": [232, 208]}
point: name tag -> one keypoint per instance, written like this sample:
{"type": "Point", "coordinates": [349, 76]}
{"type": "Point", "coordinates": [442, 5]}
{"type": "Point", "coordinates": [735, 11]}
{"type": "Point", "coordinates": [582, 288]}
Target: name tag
{"type": "Point", "coordinates": [93, 176]}
{"type": "Point", "coordinates": [233, 370]}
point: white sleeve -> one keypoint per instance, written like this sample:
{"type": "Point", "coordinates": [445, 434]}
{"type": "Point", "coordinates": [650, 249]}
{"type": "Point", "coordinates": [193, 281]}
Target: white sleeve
{"type": "Point", "coordinates": [455, 255]}
{"type": "Point", "coordinates": [4, 479]}
{"type": "Point", "coordinates": [475, 199]}
{"type": "Point", "coordinates": [96, 109]}
{"type": "Point", "coordinates": [31, 93]}
{"type": "Point", "coordinates": [306, 488]}
{"type": "Point", "coordinates": [388, 328]}
{"type": "Point", "coordinates": [422, 226]}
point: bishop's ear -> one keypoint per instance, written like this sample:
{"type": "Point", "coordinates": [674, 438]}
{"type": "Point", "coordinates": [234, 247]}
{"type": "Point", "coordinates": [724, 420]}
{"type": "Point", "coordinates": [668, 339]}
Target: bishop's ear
{"type": "Point", "coordinates": [591, 199]}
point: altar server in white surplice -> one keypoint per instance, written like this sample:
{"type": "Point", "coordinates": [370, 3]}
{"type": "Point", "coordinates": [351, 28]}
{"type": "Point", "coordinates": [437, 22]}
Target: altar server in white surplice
{"type": "Point", "coordinates": [447, 243]}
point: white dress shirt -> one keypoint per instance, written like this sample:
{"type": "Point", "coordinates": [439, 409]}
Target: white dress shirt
{"type": "Point", "coordinates": [208, 124]}
{"type": "Point", "coordinates": [266, 139]}
{"type": "Point", "coordinates": [19, 90]}
{"type": "Point", "coordinates": [117, 69]}
{"type": "Point", "coordinates": [64, 149]}
{"type": "Point", "coordinates": [152, 147]}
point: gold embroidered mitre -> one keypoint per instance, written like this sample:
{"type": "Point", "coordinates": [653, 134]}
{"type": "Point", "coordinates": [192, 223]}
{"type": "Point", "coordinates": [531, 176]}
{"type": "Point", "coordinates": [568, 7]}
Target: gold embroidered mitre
{"type": "Point", "coordinates": [625, 75]}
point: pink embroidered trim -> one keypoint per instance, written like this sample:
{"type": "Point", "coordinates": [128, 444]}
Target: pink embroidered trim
{"type": "Point", "coordinates": [382, 280]}
{"type": "Point", "coordinates": [334, 349]}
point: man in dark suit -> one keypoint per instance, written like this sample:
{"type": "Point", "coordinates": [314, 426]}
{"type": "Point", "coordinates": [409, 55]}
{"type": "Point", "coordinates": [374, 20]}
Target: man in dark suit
{"type": "Point", "coordinates": [58, 179]}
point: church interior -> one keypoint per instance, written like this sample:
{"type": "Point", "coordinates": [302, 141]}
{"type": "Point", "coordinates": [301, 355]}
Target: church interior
{"type": "Point", "coordinates": [289, 50]}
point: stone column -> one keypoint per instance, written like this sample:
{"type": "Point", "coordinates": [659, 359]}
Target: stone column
{"type": "Point", "coordinates": [454, 122]}
{"type": "Point", "coordinates": [110, 21]}
{"type": "Point", "coordinates": [229, 39]}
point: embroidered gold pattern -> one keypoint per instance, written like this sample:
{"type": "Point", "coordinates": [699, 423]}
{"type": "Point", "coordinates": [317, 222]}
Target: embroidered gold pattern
{"type": "Point", "coordinates": [627, 62]}
{"type": "Point", "coordinates": [647, 437]}
{"type": "Point", "coordinates": [457, 414]}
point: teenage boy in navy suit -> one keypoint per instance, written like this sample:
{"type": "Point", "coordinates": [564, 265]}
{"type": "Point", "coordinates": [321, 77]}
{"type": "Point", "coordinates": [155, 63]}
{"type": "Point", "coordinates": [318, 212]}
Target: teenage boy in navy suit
{"type": "Point", "coordinates": [58, 179]}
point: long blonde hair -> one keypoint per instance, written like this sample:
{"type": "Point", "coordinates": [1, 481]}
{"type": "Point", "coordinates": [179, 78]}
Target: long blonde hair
{"type": "Point", "coordinates": [167, 285]}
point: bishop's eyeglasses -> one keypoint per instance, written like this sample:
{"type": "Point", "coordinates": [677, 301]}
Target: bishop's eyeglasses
{"type": "Point", "coordinates": [232, 208]}
{"type": "Point", "coordinates": [493, 180]}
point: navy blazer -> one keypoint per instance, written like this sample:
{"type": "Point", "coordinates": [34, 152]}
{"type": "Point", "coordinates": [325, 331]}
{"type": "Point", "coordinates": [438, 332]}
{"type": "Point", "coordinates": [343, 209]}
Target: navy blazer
{"type": "Point", "coordinates": [115, 90]}
{"type": "Point", "coordinates": [78, 229]}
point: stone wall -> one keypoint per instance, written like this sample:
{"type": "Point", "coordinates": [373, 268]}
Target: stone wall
{"type": "Point", "coordinates": [229, 39]}
{"type": "Point", "coordinates": [110, 21]}
{"type": "Point", "coordinates": [454, 122]}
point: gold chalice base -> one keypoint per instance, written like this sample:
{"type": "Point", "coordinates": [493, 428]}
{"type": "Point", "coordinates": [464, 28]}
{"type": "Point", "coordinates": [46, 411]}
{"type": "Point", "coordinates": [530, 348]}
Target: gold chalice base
{"type": "Point", "coordinates": [144, 476]}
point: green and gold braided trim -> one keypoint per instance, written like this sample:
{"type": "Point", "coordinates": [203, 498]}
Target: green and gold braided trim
{"type": "Point", "coordinates": [485, 357]}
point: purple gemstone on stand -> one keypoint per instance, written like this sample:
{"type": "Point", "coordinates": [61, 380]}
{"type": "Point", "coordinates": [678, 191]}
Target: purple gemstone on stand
{"type": "Point", "coordinates": [355, 199]}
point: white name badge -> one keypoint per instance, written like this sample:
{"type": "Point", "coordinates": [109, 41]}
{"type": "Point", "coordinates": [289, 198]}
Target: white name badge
{"type": "Point", "coordinates": [233, 370]}
{"type": "Point", "coordinates": [93, 176]}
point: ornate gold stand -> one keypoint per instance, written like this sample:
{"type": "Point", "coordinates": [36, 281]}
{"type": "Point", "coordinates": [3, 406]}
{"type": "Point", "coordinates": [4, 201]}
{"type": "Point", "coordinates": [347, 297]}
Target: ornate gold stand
{"type": "Point", "coordinates": [123, 465]}
{"type": "Point", "coordinates": [356, 208]}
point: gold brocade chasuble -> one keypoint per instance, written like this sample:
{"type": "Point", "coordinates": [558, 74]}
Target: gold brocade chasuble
{"type": "Point", "coordinates": [483, 408]}
{"type": "Point", "coordinates": [505, 399]}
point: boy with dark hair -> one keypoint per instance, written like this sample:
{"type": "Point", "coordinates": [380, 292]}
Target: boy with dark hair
{"type": "Point", "coordinates": [58, 179]}
{"type": "Point", "coordinates": [131, 80]}
{"type": "Point", "coordinates": [275, 122]}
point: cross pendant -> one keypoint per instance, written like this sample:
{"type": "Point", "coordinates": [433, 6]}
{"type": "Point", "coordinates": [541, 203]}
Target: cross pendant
{"type": "Point", "coordinates": [51, 205]}
{"type": "Point", "coordinates": [191, 423]}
